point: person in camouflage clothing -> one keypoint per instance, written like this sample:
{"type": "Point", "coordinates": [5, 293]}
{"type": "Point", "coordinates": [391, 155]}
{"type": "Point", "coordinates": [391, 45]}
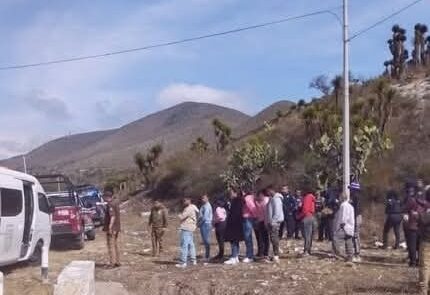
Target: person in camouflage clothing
{"type": "Point", "coordinates": [158, 224]}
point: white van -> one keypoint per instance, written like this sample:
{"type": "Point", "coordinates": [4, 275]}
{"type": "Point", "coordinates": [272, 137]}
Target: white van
{"type": "Point", "coordinates": [25, 220]}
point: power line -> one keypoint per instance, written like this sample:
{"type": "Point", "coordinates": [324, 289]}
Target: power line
{"type": "Point", "coordinates": [365, 30]}
{"type": "Point", "coordinates": [165, 44]}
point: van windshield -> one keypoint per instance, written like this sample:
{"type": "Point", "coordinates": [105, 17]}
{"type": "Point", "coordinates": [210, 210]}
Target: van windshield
{"type": "Point", "coordinates": [59, 201]}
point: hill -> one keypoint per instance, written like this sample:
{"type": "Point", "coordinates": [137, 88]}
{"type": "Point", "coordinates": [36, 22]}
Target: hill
{"type": "Point", "coordinates": [175, 128]}
{"type": "Point", "coordinates": [265, 115]}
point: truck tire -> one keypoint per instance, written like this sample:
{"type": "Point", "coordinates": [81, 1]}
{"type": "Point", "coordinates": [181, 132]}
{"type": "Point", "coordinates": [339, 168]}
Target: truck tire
{"type": "Point", "coordinates": [80, 241]}
{"type": "Point", "coordinates": [91, 235]}
{"type": "Point", "coordinates": [36, 258]}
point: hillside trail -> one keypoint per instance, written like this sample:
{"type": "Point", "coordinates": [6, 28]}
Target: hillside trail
{"type": "Point", "coordinates": [381, 272]}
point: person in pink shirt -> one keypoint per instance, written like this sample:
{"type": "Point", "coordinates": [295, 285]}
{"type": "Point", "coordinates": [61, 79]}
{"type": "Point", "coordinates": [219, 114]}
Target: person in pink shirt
{"type": "Point", "coordinates": [260, 227]}
{"type": "Point", "coordinates": [249, 215]}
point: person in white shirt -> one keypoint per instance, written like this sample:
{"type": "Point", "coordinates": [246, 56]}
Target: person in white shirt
{"type": "Point", "coordinates": [344, 226]}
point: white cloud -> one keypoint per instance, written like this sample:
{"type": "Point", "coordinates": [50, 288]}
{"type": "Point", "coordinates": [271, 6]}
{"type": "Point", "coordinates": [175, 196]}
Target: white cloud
{"type": "Point", "coordinates": [181, 92]}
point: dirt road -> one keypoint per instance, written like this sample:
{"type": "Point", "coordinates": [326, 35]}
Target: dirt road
{"type": "Point", "coordinates": [382, 272]}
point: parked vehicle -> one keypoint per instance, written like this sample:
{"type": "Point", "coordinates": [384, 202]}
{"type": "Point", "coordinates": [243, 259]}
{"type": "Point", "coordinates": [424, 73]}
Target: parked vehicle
{"type": "Point", "coordinates": [92, 199]}
{"type": "Point", "coordinates": [25, 222]}
{"type": "Point", "coordinates": [71, 221]}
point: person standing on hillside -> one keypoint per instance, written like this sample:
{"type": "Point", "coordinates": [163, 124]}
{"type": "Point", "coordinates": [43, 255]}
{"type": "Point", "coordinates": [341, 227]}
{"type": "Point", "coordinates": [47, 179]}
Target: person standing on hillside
{"type": "Point", "coordinates": [188, 219]}
{"type": "Point", "coordinates": [344, 228]}
{"type": "Point", "coordinates": [332, 205]}
{"type": "Point", "coordinates": [205, 224]}
{"type": "Point", "coordinates": [424, 254]}
{"type": "Point", "coordinates": [307, 218]}
{"type": "Point", "coordinates": [158, 224]}
{"type": "Point", "coordinates": [248, 225]}
{"type": "Point", "coordinates": [290, 210]}
{"type": "Point", "coordinates": [355, 190]}
{"type": "Point", "coordinates": [112, 227]}
{"type": "Point", "coordinates": [274, 218]}
{"type": "Point", "coordinates": [261, 232]}
{"type": "Point", "coordinates": [393, 218]}
{"type": "Point", "coordinates": [234, 229]}
{"type": "Point", "coordinates": [299, 224]}
{"type": "Point", "coordinates": [220, 224]}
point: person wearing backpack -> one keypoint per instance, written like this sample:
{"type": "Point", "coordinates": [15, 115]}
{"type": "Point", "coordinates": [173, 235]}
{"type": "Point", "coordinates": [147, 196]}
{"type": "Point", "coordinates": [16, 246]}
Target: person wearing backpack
{"type": "Point", "coordinates": [424, 252]}
{"type": "Point", "coordinates": [393, 218]}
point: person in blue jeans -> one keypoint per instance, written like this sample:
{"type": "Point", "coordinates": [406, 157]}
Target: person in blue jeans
{"type": "Point", "coordinates": [188, 225]}
{"type": "Point", "coordinates": [249, 217]}
{"type": "Point", "coordinates": [205, 224]}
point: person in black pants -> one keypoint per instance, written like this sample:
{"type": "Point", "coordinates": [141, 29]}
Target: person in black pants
{"type": "Point", "coordinates": [290, 210]}
{"type": "Point", "coordinates": [220, 224]}
{"type": "Point", "coordinates": [298, 223]}
{"type": "Point", "coordinates": [393, 220]}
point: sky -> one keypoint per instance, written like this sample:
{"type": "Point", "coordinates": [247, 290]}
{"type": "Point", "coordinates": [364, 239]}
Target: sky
{"type": "Point", "coordinates": [247, 71]}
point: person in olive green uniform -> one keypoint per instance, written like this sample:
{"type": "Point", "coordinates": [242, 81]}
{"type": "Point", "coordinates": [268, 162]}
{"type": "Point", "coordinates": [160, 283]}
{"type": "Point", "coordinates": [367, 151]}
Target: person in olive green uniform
{"type": "Point", "coordinates": [112, 227]}
{"type": "Point", "coordinates": [157, 223]}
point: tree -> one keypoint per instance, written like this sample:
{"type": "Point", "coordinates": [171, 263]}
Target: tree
{"type": "Point", "coordinates": [301, 103]}
{"type": "Point", "coordinates": [199, 146]}
{"type": "Point", "coordinates": [249, 162]}
{"type": "Point", "coordinates": [397, 49]}
{"type": "Point", "coordinates": [336, 84]}
{"type": "Point", "coordinates": [321, 84]}
{"type": "Point", "coordinates": [148, 163]}
{"type": "Point", "coordinates": [222, 134]}
{"type": "Point", "coordinates": [419, 44]}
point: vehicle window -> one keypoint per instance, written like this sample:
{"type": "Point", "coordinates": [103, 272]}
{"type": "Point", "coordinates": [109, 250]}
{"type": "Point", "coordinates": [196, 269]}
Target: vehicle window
{"type": "Point", "coordinates": [43, 203]}
{"type": "Point", "coordinates": [59, 201]}
{"type": "Point", "coordinates": [11, 202]}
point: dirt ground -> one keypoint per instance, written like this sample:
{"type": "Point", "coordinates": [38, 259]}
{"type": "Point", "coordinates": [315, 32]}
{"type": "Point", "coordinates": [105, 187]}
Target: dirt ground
{"type": "Point", "coordinates": [381, 272]}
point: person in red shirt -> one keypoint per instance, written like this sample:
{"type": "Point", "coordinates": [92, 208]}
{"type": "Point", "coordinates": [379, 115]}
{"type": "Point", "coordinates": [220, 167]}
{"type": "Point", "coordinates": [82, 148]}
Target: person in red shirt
{"type": "Point", "coordinates": [307, 217]}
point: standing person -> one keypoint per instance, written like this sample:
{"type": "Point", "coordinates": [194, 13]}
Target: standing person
{"type": "Point", "coordinates": [355, 190]}
{"type": "Point", "coordinates": [424, 254]}
{"type": "Point", "coordinates": [307, 218]}
{"type": "Point", "coordinates": [261, 233]}
{"type": "Point", "coordinates": [234, 229]}
{"type": "Point", "coordinates": [344, 227]}
{"type": "Point", "coordinates": [332, 205]}
{"type": "Point", "coordinates": [274, 218]}
{"type": "Point", "coordinates": [220, 223]}
{"type": "Point", "coordinates": [319, 206]}
{"type": "Point", "coordinates": [413, 207]}
{"type": "Point", "coordinates": [158, 224]}
{"type": "Point", "coordinates": [188, 219]}
{"type": "Point", "coordinates": [290, 210]}
{"type": "Point", "coordinates": [285, 192]}
{"type": "Point", "coordinates": [248, 225]}
{"type": "Point", "coordinates": [299, 224]}
{"type": "Point", "coordinates": [393, 218]}
{"type": "Point", "coordinates": [112, 227]}
{"type": "Point", "coordinates": [205, 224]}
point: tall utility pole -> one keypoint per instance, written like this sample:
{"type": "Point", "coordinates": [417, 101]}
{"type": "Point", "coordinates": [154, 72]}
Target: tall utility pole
{"type": "Point", "coordinates": [25, 163]}
{"type": "Point", "coordinates": [346, 136]}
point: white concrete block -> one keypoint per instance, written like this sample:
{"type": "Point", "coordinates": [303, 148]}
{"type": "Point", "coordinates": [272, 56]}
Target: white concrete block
{"type": "Point", "coordinates": [77, 277]}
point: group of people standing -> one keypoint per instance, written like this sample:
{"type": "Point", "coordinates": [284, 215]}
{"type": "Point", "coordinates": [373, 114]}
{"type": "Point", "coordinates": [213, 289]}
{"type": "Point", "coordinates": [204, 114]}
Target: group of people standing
{"type": "Point", "coordinates": [268, 214]}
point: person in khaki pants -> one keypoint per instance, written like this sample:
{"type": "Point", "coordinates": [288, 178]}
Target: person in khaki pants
{"type": "Point", "coordinates": [112, 227]}
{"type": "Point", "coordinates": [424, 254]}
{"type": "Point", "coordinates": [158, 224]}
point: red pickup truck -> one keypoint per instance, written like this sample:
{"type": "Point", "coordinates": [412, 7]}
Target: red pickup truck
{"type": "Point", "coordinates": [71, 221]}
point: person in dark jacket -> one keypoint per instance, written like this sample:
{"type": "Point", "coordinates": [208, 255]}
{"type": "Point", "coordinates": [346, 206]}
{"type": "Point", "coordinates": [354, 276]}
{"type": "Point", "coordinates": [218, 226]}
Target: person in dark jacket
{"type": "Point", "coordinates": [290, 210]}
{"type": "Point", "coordinates": [299, 225]}
{"type": "Point", "coordinates": [393, 218]}
{"type": "Point", "coordinates": [355, 191]}
{"type": "Point", "coordinates": [413, 207]}
{"type": "Point", "coordinates": [234, 229]}
{"type": "Point", "coordinates": [332, 204]}
{"type": "Point", "coordinates": [285, 192]}
{"type": "Point", "coordinates": [424, 229]}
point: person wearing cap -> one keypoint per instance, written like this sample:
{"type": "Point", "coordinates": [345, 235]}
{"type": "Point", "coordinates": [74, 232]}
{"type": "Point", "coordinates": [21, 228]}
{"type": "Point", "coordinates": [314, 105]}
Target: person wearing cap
{"type": "Point", "coordinates": [355, 190]}
{"type": "Point", "coordinates": [112, 227]}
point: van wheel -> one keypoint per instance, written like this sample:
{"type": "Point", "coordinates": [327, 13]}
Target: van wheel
{"type": "Point", "coordinates": [36, 258]}
{"type": "Point", "coordinates": [80, 243]}
{"type": "Point", "coordinates": [91, 235]}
